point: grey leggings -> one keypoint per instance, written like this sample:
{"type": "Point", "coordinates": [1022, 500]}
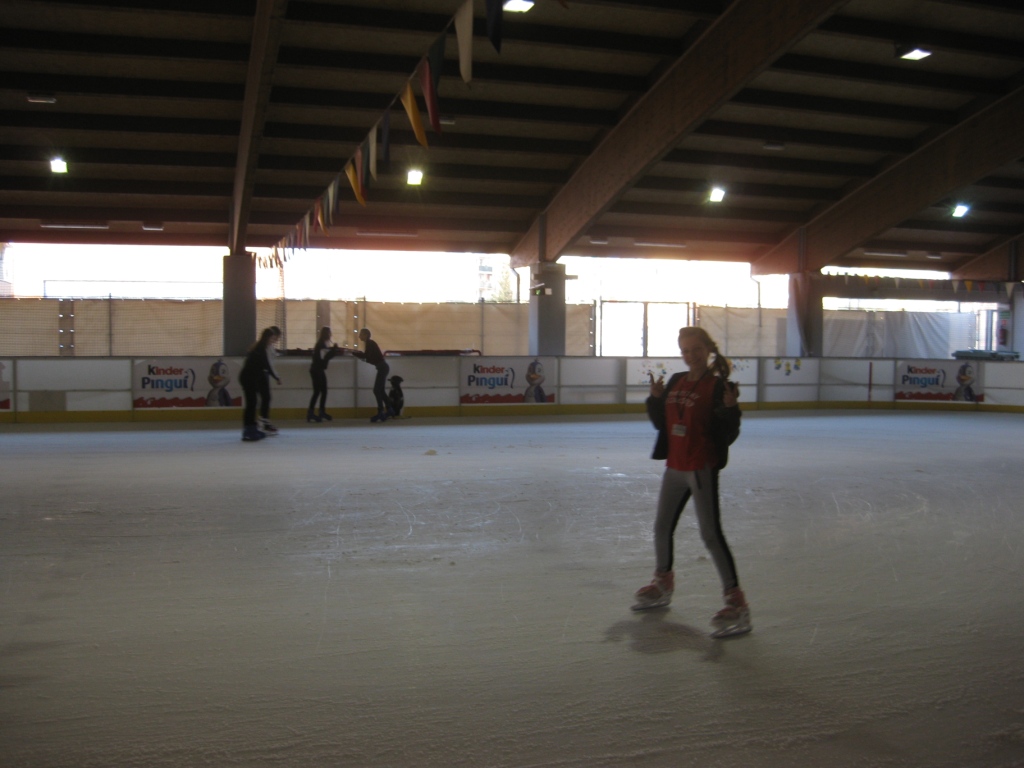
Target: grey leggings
{"type": "Point", "coordinates": [676, 489]}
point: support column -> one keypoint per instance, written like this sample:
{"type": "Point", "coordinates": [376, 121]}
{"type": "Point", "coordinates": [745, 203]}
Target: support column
{"type": "Point", "coordinates": [547, 309]}
{"type": "Point", "coordinates": [239, 292]}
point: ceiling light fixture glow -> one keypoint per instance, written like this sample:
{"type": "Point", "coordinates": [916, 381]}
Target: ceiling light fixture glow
{"type": "Point", "coordinates": [41, 98]}
{"type": "Point", "coordinates": [960, 210]}
{"type": "Point", "coordinates": [57, 165]}
{"type": "Point", "coordinates": [654, 244]}
{"type": "Point", "coordinates": [381, 233]}
{"type": "Point", "coordinates": [414, 177]}
{"type": "Point", "coordinates": [74, 225]}
{"type": "Point", "coordinates": [912, 52]}
{"type": "Point", "coordinates": [717, 195]}
{"type": "Point", "coordinates": [517, 6]}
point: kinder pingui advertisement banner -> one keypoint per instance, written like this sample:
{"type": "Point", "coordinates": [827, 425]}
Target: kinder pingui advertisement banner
{"type": "Point", "coordinates": [507, 380]}
{"type": "Point", "coordinates": [200, 382]}
{"type": "Point", "coordinates": [957, 381]}
{"type": "Point", "coordinates": [5, 384]}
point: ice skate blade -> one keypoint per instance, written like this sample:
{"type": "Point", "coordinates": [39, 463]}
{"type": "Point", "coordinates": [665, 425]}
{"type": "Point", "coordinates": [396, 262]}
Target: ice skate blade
{"type": "Point", "coordinates": [734, 631]}
{"type": "Point", "coordinates": [645, 606]}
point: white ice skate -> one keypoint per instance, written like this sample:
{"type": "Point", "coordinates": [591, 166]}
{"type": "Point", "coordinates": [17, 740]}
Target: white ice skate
{"type": "Point", "coordinates": [734, 618]}
{"type": "Point", "coordinates": [657, 594]}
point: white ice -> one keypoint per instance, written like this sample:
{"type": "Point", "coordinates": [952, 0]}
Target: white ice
{"type": "Point", "coordinates": [456, 593]}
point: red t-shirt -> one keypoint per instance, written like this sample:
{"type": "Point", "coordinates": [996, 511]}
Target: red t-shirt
{"type": "Point", "coordinates": [688, 414]}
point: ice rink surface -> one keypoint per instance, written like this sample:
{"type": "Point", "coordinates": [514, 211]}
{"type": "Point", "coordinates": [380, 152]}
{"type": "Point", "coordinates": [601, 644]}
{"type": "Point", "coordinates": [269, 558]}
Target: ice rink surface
{"type": "Point", "coordinates": [456, 593]}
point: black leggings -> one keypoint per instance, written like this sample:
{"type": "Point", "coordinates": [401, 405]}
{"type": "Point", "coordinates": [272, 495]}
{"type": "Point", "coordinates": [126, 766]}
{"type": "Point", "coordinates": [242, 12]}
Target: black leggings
{"type": "Point", "coordinates": [319, 389]}
{"type": "Point", "coordinates": [380, 388]}
{"type": "Point", "coordinates": [256, 390]}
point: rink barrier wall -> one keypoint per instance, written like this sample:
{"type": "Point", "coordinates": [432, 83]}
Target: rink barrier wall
{"type": "Point", "coordinates": [66, 390]}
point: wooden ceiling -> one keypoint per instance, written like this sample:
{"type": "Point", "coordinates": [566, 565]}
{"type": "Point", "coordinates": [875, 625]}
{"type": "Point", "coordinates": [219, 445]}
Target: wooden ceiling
{"type": "Point", "coordinates": [598, 129]}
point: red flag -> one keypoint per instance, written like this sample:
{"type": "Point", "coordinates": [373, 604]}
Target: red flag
{"type": "Point", "coordinates": [430, 95]}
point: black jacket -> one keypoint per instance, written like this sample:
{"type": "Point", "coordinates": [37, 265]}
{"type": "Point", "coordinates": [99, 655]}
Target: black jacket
{"type": "Point", "coordinates": [725, 421]}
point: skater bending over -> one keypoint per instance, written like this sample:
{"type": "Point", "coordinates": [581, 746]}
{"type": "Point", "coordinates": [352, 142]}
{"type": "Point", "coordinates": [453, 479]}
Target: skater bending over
{"type": "Point", "coordinates": [697, 417]}
{"type": "Point", "coordinates": [372, 355]}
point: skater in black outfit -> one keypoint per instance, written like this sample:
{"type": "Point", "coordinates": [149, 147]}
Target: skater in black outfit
{"type": "Point", "coordinates": [697, 417]}
{"type": "Point", "coordinates": [255, 381]}
{"type": "Point", "coordinates": [375, 357]}
{"type": "Point", "coordinates": [323, 351]}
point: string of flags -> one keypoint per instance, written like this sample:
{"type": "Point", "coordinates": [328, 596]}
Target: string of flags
{"type": "Point", "coordinates": [361, 169]}
{"type": "Point", "coordinates": [969, 286]}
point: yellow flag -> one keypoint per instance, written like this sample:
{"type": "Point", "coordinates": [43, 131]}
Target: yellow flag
{"type": "Point", "coordinates": [353, 179]}
{"type": "Point", "coordinates": [413, 111]}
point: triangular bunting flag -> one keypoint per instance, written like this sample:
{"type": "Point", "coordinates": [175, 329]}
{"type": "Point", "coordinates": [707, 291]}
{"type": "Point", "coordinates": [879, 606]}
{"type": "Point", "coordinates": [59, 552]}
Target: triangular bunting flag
{"type": "Point", "coordinates": [332, 200]}
{"type": "Point", "coordinates": [364, 171]}
{"type": "Point", "coordinates": [969, 284]}
{"type": "Point", "coordinates": [305, 230]}
{"type": "Point", "coordinates": [494, 11]}
{"type": "Point", "coordinates": [321, 219]}
{"type": "Point", "coordinates": [357, 161]}
{"type": "Point", "coordinates": [430, 95]}
{"type": "Point", "coordinates": [413, 111]}
{"type": "Point", "coordinates": [464, 37]}
{"type": "Point", "coordinates": [353, 179]}
{"type": "Point", "coordinates": [372, 141]}
{"type": "Point", "coordinates": [1009, 289]}
{"type": "Point", "coordinates": [956, 285]}
{"type": "Point", "coordinates": [385, 138]}
{"type": "Point", "coordinates": [436, 58]}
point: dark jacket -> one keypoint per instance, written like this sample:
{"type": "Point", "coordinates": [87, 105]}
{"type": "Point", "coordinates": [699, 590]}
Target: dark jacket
{"type": "Point", "coordinates": [322, 355]}
{"type": "Point", "coordinates": [725, 421]}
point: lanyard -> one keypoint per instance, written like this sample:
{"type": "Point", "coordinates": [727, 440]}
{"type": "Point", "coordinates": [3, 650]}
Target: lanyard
{"type": "Point", "coordinates": [682, 396]}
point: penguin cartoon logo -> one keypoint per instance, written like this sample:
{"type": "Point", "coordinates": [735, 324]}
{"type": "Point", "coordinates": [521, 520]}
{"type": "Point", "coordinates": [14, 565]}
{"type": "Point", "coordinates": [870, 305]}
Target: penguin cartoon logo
{"type": "Point", "coordinates": [219, 379]}
{"type": "Point", "coordinates": [964, 379]}
{"type": "Point", "coordinates": [534, 379]}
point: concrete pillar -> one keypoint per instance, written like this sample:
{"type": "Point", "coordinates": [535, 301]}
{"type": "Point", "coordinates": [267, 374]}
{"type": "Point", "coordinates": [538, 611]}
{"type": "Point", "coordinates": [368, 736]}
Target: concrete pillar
{"type": "Point", "coordinates": [239, 303]}
{"type": "Point", "coordinates": [547, 309]}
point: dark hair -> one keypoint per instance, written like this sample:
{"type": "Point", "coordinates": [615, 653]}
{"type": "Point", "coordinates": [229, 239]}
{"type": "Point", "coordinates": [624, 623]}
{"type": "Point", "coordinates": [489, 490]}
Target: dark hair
{"type": "Point", "coordinates": [721, 365]}
{"type": "Point", "coordinates": [325, 334]}
{"type": "Point", "coordinates": [267, 335]}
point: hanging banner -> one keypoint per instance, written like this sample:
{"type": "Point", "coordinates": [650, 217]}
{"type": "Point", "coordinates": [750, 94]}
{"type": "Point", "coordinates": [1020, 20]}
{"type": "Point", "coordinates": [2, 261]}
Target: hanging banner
{"type": "Point", "coordinates": [184, 382]}
{"type": "Point", "coordinates": [957, 381]}
{"type": "Point", "coordinates": [507, 380]}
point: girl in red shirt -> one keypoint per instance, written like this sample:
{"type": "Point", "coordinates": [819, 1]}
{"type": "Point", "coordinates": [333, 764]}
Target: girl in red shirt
{"type": "Point", "coordinates": [697, 416]}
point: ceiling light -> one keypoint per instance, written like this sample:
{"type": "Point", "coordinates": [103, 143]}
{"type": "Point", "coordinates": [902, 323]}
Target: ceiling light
{"type": "Point", "coordinates": [517, 6]}
{"type": "Point", "coordinates": [381, 233]}
{"type": "Point", "coordinates": [717, 195]}
{"type": "Point", "coordinates": [654, 244]}
{"type": "Point", "coordinates": [886, 254]}
{"type": "Point", "coordinates": [774, 146]}
{"type": "Point", "coordinates": [446, 120]}
{"type": "Point", "coordinates": [415, 177]}
{"type": "Point", "coordinates": [41, 98]}
{"type": "Point", "coordinates": [960, 210]}
{"type": "Point", "coordinates": [598, 240]}
{"type": "Point", "coordinates": [57, 165]}
{"type": "Point", "coordinates": [934, 255]}
{"type": "Point", "coordinates": [912, 52]}
{"type": "Point", "coordinates": [153, 226]}
{"type": "Point", "coordinates": [74, 225]}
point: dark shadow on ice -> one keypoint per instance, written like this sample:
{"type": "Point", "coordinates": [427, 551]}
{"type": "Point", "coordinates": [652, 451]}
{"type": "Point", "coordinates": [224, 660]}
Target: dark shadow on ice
{"type": "Point", "coordinates": [651, 632]}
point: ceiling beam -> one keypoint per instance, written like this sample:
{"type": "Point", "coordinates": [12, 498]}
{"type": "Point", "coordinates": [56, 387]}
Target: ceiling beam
{"type": "Point", "coordinates": [266, 36]}
{"type": "Point", "coordinates": [746, 39]}
{"type": "Point", "coordinates": [958, 158]}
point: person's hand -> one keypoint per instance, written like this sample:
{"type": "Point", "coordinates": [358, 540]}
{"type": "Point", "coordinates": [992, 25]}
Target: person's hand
{"type": "Point", "coordinates": [657, 387]}
{"type": "Point", "coordinates": [730, 394]}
